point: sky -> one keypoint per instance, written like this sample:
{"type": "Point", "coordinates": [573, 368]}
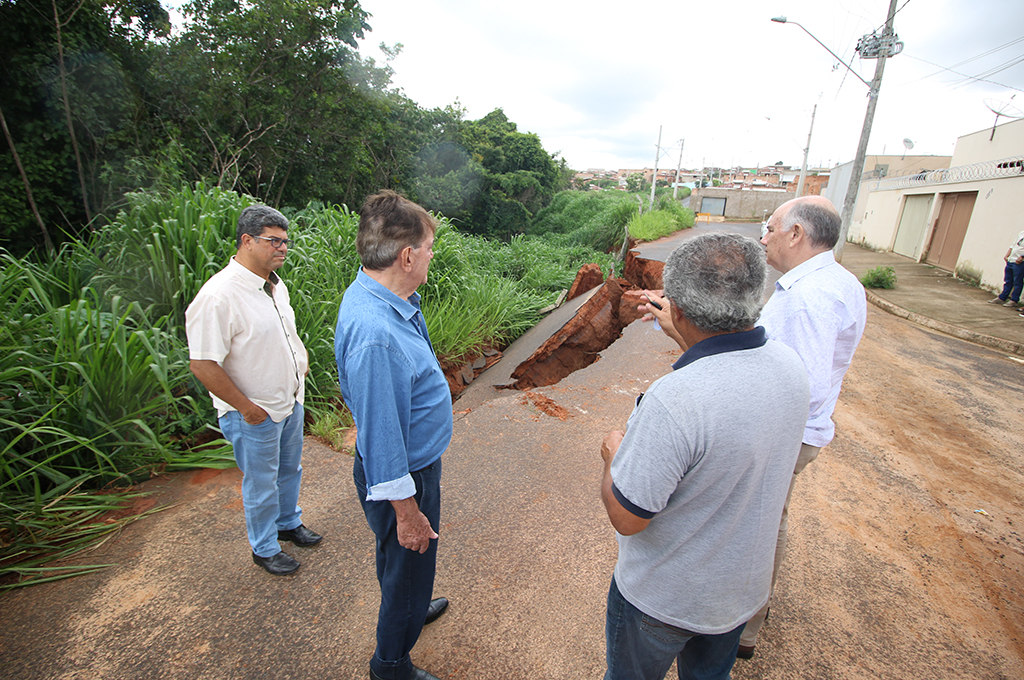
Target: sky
{"type": "Point", "coordinates": [596, 80]}
{"type": "Point", "coordinates": [725, 86]}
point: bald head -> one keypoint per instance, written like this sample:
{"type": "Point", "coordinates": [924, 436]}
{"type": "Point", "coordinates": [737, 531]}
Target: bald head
{"type": "Point", "coordinates": [818, 217]}
{"type": "Point", "coordinates": [800, 229]}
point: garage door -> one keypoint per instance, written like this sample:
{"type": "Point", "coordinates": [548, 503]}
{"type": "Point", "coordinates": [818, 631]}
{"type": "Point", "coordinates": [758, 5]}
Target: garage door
{"type": "Point", "coordinates": [712, 205]}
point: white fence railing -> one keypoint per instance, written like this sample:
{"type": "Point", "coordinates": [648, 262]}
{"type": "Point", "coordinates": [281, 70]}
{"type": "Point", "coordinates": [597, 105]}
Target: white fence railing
{"type": "Point", "coordinates": [1005, 167]}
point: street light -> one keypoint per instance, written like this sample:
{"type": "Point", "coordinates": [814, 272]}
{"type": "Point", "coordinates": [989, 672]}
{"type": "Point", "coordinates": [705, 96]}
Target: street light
{"type": "Point", "coordinates": [883, 47]}
{"type": "Point", "coordinates": [784, 20]}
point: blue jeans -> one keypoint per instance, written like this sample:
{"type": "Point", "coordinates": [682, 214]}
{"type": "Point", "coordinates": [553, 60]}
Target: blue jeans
{"type": "Point", "coordinates": [1013, 280]}
{"type": "Point", "coordinates": [406, 577]}
{"type": "Point", "coordinates": [639, 647]}
{"type": "Point", "coordinates": [270, 458]}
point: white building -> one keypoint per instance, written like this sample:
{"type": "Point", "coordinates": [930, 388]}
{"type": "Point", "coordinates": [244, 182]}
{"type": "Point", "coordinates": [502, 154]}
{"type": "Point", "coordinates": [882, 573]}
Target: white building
{"type": "Point", "coordinates": [962, 218]}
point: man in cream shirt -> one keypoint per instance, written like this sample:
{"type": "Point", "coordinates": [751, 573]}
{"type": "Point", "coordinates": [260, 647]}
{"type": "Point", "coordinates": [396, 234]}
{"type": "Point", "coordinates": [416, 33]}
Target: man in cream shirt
{"type": "Point", "coordinates": [245, 349]}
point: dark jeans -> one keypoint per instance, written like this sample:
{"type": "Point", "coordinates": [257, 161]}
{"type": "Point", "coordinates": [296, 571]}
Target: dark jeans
{"type": "Point", "coordinates": [1013, 278]}
{"type": "Point", "coordinates": [639, 647]}
{"type": "Point", "coordinates": [406, 577]}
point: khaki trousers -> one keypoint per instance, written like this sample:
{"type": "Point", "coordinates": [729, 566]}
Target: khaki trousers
{"type": "Point", "coordinates": [753, 627]}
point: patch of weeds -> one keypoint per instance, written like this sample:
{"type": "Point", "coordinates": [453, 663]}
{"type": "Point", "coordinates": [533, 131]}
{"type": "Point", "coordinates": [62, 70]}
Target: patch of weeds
{"type": "Point", "coordinates": [967, 273]}
{"type": "Point", "coordinates": [332, 427]}
{"type": "Point", "coordinates": [879, 277]}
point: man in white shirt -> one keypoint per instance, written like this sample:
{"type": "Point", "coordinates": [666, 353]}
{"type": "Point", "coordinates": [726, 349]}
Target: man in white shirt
{"type": "Point", "coordinates": [245, 349]}
{"type": "Point", "coordinates": [1013, 275]}
{"type": "Point", "coordinates": [818, 309]}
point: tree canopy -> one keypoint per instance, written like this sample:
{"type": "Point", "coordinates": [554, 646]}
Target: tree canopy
{"type": "Point", "coordinates": [271, 99]}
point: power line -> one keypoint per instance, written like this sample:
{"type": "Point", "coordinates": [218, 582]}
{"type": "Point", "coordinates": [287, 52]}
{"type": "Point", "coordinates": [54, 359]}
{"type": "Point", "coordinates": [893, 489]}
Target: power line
{"type": "Point", "coordinates": [964, 75]}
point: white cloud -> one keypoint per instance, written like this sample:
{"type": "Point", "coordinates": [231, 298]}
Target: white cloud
{"type": "Point", "coordinates": [595, 80]}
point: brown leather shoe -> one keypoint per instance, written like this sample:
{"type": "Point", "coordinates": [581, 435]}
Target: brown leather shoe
{"type": "Point", "coordinates": [745, 652]}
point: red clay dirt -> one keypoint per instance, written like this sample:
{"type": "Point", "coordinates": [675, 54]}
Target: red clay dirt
{"type": "Point", "coordinates": [589, 276]}
{"type": "Point", "coordinates": [596, 325]}
{"type": "Point", "coordinates": [578, 343]}
{"type": "Point", "coordinates": [643, 273]}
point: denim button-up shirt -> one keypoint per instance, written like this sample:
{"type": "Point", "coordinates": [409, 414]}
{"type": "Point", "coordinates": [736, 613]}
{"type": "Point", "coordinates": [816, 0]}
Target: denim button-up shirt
{"type": "Point", "coordinates": [392, 382]}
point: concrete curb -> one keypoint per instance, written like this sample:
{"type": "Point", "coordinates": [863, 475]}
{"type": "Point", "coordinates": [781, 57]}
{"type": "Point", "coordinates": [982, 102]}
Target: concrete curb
{"type": "Point", "coordinates": [949, 329]}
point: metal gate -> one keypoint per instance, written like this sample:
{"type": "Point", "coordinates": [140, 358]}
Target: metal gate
{"type": "Point", "coordinates": [712, 205]}
{"type": "Point", "coordinates": [913, 226]}
{"type": "Point", "coordinates": [950, 229]}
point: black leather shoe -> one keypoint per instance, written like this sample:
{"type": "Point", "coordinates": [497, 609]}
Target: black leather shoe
{"type": "Point", "coordinates": [436, 608]}
{"type": "Point", "coordinates": [420, 674]}
{"type": "Point", "coordinates": [280, 564]}
{"type": "Point", "coordinates": [745, 652]}
{"type": "Point", "coordinates": [300, 536]}
{"type": "Point", "coordinates": [417, 674]}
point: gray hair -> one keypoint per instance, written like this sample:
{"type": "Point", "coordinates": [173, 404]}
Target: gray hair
{"type": "Point", "coordinates": [717, 281]}
{"type": "Point", "coordinates": [820, 222]}
{"type": "Point", "coordinates": [255, 219]}
{"type": "Point", "coordinates": [388, 222]}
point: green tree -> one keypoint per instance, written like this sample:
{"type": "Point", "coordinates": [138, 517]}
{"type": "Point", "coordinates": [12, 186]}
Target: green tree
{"type": "Point", "coordinates": [485, 174]}
{"type": "Point", "coordinates": [70, 77]}
{"type": "Point", "coordinates": [270, 97]}
{"type": "Point", "coordinates": [635, 183]}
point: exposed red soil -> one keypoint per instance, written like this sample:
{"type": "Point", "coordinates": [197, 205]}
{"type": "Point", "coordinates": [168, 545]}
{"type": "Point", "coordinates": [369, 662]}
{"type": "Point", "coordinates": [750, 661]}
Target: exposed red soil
{"type": "Point", "coordinates": [597, 324]}
{"type": "Point", "coordinates": [545, 405]}
{"type": "Point", "coordinates": [589, 276]}
{"type": "Point", "coordinates": [643, 273]}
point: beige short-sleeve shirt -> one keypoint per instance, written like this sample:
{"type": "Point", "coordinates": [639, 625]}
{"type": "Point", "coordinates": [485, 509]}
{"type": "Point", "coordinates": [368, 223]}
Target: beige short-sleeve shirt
{"type": "Point", "coordinates": [251, 333]}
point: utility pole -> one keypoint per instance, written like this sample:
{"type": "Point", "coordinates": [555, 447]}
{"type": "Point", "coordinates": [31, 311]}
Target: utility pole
{"type": "Point", "coordinates": [885, 49]}
{"type": "Point", "coordinates": [675, 188]}
{"type": "Point", "coordinates": [654, 178]}
{"type": "Point", "coordinates": [803, 170]}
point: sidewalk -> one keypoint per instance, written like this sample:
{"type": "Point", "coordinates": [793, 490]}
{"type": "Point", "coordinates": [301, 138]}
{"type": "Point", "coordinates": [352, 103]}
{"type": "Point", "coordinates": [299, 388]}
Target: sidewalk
{"type": "Point", "coordinates": [935, 299]}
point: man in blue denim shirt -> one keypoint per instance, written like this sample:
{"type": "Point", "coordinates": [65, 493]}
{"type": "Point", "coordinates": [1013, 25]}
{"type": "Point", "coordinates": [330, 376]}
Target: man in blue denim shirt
{"type": "Point", "coordinates": [402, 407]}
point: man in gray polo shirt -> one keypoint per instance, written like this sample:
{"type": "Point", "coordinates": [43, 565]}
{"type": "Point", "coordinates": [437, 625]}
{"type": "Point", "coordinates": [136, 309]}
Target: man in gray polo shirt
{"type": "Point", "coordinates": [696, 484]}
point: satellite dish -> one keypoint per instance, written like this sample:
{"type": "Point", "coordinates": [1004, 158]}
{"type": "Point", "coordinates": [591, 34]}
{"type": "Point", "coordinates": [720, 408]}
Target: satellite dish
{"type": "Point", "coordinates": [1004, 109]}
{"type": "Point", "coordinates": [908, 144]}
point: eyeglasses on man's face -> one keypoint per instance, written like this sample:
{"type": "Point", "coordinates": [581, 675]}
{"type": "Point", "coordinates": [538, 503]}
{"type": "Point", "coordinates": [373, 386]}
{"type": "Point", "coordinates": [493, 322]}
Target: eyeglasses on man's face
{"type": "Point", "coordinates": [275, 242]}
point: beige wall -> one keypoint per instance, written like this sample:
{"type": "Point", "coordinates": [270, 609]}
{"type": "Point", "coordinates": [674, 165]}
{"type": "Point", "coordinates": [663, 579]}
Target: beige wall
{"type": "Point", "coordinates": [898, 165]}
{"type": "Point", "coordinates": [875, 225]}
{"type": "Point", "coordinates": [997, 218]}
{"type": "Point", "coordinates": [976, 147]}
{"type": "Point", "coordinates": [743, 204]}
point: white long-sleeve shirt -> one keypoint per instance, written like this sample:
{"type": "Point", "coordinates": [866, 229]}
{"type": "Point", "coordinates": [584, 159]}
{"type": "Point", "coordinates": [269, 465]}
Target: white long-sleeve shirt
{"type": "Point", "coordinates": [819, 309]}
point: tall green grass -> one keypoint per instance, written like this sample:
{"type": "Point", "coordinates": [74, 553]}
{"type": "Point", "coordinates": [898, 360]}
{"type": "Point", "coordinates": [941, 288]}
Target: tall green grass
{"type": "Point", "coordinates": [668, 218]}
{"type": "Point", "coordinates": [586, 218]}
{"type": "Point", "coordinates": [95, 391]}
{"type": "Point", "coordinates": [598, 219]}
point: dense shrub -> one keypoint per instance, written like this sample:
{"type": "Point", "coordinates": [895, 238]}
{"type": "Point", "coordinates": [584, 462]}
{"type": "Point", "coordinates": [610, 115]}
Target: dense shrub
{"type": "Point", "coordinates": [586, 218]}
